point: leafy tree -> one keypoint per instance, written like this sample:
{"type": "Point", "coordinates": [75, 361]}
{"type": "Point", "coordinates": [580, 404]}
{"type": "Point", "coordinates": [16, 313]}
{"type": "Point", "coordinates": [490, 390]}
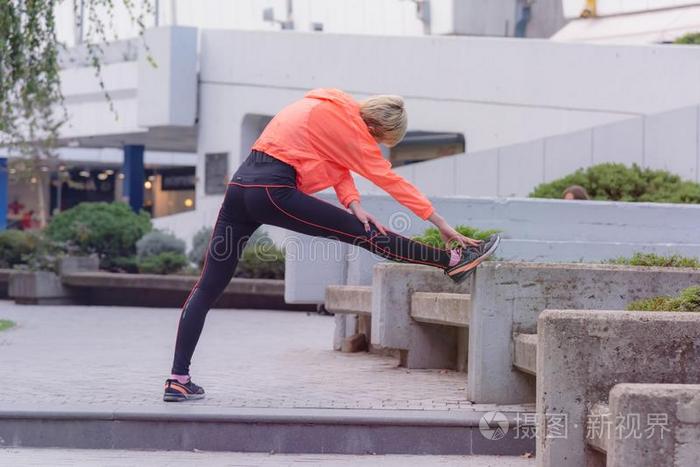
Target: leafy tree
{"type": "Point", "coordinates": [30, 92]}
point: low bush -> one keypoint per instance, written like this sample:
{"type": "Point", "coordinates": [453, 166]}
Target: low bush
{"type": "Point", "coordinates": [156, 242]}
{"type": "Point", "coordinates": [692, 38]}
{"type": "Point", "coordinates": [14, 246]}
{"type": "Point", "coordinates": [432, 235]}
{"type": "Point", "coordinates": [651, 259]}
{"type": "Point", "coordinates": [129, 264]}
{"type": "Point", "coordinates": [110, 230]}
{"type": "Point", "coordinates": [617, 182]}
{"type": "Point", "coordinates": [687, 300]}
{"type": "Point", "coordinates": [168, 262]}
{"type": "Point", "coordinates": [199, 246]}
{"type": "Point", "coordinates": [261, 260]}
{"type": "Point", "coordinates": [45, 254]}
{"type": "Point", "coordinates": [6, 324]}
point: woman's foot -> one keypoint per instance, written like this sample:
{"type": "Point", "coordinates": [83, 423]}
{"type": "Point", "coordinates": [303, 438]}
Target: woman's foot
{"type": "Point", "coordinates": [176, 391]}
{"type": "Point", "coordinates": [471, 258]}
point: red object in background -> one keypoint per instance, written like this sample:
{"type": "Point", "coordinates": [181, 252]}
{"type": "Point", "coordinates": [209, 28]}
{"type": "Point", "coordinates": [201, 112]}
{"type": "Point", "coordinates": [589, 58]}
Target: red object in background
{"type": "Point", "coordinates": [15, 207]}
{"type": "Point", "coordinates": [27, 220]}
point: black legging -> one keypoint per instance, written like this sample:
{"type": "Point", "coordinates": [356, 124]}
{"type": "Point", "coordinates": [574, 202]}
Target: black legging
{"type": "Point", "coordinates": [263, 191]}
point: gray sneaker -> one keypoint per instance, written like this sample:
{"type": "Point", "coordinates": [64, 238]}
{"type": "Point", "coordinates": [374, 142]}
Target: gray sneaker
{"type": "Point", "coordinates": [471, 258]}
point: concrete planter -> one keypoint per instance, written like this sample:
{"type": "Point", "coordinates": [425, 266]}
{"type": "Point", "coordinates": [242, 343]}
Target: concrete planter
{"type": "Point", "coordinates": [171, 291]}
{"type": "Point", "coordinates": [70, 264]}
{"type": "Point", "coordinates": [37, 287]}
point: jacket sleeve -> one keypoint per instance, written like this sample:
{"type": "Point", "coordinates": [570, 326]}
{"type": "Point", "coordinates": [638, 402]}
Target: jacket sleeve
{"type": "Point", "coordinates": [346, 191]}
{"type": "Point", "coordinates": [376, 169]}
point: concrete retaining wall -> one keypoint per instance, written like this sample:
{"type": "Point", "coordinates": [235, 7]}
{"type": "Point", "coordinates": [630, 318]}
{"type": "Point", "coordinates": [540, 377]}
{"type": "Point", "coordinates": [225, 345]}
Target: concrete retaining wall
{"type": "Point", "coordinates": [533, 230]}
{"type": "Point", "coordinates": [654, 425]}
{"type": "Point", "coordinates": [581, 355]}
{"type": "Point", "coordinates": [507, 299]}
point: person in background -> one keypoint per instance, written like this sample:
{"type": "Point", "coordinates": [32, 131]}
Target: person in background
{"type": "Point", "coordinates": [576, 192]}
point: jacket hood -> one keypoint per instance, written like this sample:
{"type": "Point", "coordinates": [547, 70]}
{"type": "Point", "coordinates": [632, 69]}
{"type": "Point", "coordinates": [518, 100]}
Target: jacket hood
{"type": "Point", "coordinates": [331, 94]}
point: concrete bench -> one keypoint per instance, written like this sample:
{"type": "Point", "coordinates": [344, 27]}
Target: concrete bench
{"type": "Point", "coordinates": [421, 343]}
{"type": "Point", "coordinates": [352, 306]}
{"type": "Point", "coordinates": [525, 353]}
{"type": "Point", "coordinates": [445, 309]}
{"type": "Point", "coordinates": [583, 354]}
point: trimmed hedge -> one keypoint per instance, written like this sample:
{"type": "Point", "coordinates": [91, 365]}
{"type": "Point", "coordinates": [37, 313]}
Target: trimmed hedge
{"type": "Point", "coordinates": [167, 262]}
{"type": "Point", "coordinates": [651, 259]}
{"type": "Point", "coordinates": [617, 182]}
{"type": "Point", "coordinates": [110, 230]}
{"type": "Point", "coordinates": [692, 38]}
{"type": "Point", "coordinates": [688, 300]}
{"type": "Point", "coordinates": [431, 236]}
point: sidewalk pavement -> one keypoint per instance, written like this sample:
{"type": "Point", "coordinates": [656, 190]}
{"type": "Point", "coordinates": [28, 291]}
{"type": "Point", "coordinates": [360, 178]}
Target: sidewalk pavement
{"type": "Point", "coordinates": [73, 355]}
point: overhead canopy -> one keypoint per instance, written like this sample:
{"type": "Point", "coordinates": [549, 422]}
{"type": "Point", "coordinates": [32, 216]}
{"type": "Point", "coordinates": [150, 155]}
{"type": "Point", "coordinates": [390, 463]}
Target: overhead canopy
{"type": "Point", "coordinates": [650, 27]}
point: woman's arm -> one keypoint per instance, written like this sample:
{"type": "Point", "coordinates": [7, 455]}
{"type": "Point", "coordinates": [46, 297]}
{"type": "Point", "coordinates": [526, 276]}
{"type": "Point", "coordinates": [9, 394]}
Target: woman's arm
{"type": "Point", "coordinates": [450, 235]}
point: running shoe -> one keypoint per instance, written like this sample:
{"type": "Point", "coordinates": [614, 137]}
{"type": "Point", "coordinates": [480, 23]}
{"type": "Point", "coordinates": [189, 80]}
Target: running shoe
{"type": "Point", "coordinates": [178, 392]}
{"type": "Point", "coordinates": [471, 258]}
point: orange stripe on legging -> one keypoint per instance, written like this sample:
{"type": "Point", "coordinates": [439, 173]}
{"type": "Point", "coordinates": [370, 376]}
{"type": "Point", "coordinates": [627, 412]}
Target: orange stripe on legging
{"type": "Point", "coordinates": [348, 234]}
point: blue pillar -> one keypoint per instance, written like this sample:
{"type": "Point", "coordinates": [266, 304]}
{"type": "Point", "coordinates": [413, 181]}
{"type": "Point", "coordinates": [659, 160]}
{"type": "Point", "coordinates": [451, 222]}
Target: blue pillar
{"type": "Point", "coordinates": [133, 176]}
{"type": "Point", "coordinates": [3, 193]}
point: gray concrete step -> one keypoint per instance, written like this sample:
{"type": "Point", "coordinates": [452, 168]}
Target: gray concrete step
{"type": "Point", "coordinates": [309, 431]}
{"type": "Point", "coordinates": [122, 458]}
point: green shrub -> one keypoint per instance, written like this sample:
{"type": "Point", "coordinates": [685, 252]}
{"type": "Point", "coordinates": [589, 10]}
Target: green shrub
{"type": "Point", "coordinates": [199, 245]}
{"type": "Point", "coordinates": [692, 38]}
{"type": "Point", "coordinates": [14, 245]}
{"type": "Point", "coordinates": [156, 242]}
{"type": "Point", "coordinates": [432, 235]}
{"type": "Point", "coordinates": [651, 259]}
{"type": "Point", "coordinates": [617, 182]}
{"type": "Point", "coordinates": [110, 230]}
{"type": "Point", "coordinates": [45, 254]}
{"type": "Point", "coordinates": [129, 264]}
{"type": "Point", "coordinates": [6, 324]}
{"type": "Point", "coordinates": [261, 260]}
{"type": "Point", "coordinates": [688, 300]}
{"type": "Point", "coordinates": [168, 262]}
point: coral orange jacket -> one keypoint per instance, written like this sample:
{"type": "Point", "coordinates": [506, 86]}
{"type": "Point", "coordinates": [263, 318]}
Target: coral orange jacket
{"type": "Point", "coordinates": [324, 138]}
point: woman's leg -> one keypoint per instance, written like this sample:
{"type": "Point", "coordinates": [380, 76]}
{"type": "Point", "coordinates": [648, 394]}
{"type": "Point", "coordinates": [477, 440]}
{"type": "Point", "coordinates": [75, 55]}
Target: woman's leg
{"type": "Point", "coordinates": [291, 209]}
{"type": "Point", "coordinates": [232, 230]}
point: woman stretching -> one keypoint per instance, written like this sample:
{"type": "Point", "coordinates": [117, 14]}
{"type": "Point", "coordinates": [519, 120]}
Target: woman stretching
{"type": "Point", "coordinates": [311, 145]}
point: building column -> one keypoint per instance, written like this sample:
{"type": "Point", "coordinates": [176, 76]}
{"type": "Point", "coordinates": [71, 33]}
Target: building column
{"type": "Point", "coordinates": [133, 176]}
{"type": "Point", "coordinates": [3, 193]}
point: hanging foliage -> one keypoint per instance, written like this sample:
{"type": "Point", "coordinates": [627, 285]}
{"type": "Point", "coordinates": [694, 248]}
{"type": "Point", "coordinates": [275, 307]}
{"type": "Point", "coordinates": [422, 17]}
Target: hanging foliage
{"type": "Point", "coordinates": [31, 103]}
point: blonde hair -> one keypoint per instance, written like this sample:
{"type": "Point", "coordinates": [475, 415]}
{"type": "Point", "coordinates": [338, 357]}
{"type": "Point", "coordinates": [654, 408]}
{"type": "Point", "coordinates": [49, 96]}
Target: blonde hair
{"type": "Point", "coordinates": [386, 118]}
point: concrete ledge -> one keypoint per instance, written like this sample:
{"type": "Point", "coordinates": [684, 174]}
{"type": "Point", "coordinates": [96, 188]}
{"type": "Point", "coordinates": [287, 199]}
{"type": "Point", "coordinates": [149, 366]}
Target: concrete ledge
{"type": "Point", "coordinates": [342, 431]}
{"type": "Point", "coordinates": [525, 353]}
{"type": "Point", "coordinates": [153, 290]}
{"type": "Point", "coordinates": [508, 297]}
{"type": "Point", "coordinates": [449, 309]}
{"type": "Point", "coordinates": [582, 354]}
{"type": "Point", "coordinates": [668, 417]}
{"type": "Point", "coordinates": [353, 299]}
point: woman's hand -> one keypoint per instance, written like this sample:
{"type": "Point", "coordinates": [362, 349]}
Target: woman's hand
{"type": "Point", "coordinates": [450, 235]}
{"type": "Point", "coordinates": [366, 217]}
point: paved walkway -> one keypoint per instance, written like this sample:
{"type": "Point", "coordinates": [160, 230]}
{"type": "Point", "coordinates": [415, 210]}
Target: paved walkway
{"type": "Point", "coordinates": [70, 355]}
{"type": "Point", "coordinates": [99, 458]}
